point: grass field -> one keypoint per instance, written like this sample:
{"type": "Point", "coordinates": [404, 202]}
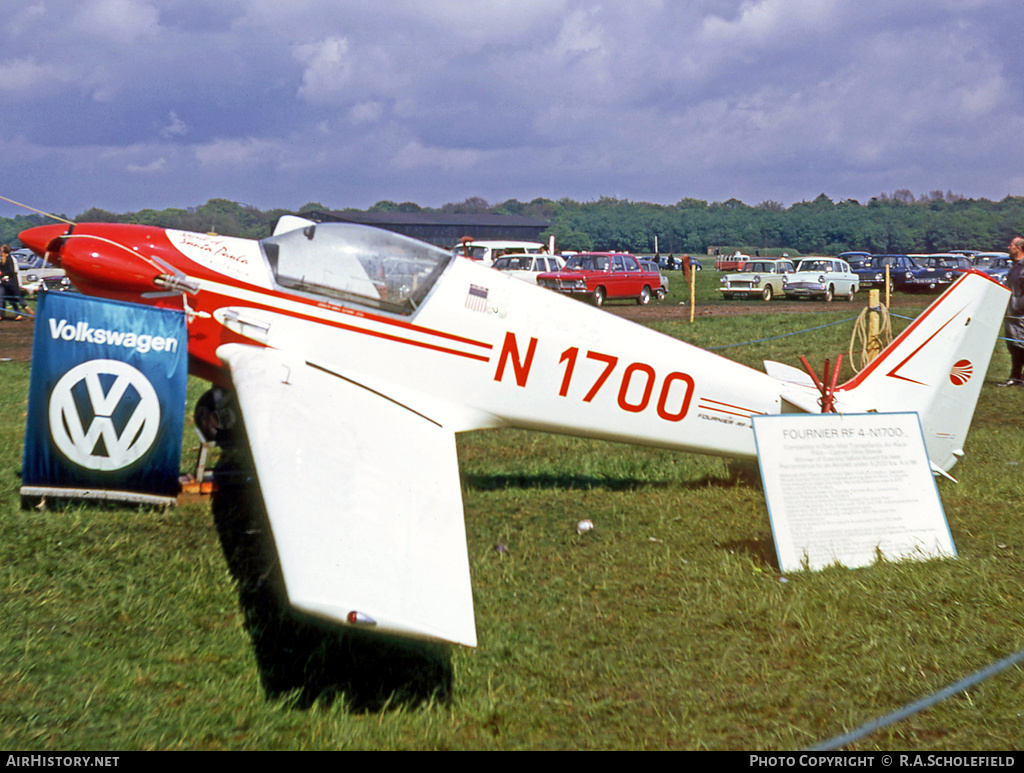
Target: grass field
{"type": "Point", "coordinates": [669, 626]}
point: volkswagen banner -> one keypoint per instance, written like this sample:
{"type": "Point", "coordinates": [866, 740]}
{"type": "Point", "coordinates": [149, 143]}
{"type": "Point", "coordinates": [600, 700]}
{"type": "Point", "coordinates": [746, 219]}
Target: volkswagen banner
{"type": "Point", "coordinates": [106, 405]}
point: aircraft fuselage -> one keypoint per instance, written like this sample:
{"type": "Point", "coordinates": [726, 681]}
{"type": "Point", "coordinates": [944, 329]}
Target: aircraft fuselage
{"type": "Point", "coordinates": [481, 350]}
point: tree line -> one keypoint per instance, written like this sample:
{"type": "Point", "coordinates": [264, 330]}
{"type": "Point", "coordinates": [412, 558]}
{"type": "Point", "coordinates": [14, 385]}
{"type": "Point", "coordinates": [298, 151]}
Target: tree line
{"type": "Point", "coordinates": [889, 223]}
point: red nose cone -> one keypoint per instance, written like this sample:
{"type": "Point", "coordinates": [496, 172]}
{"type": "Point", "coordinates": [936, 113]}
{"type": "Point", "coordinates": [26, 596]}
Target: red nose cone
{"type": "Point", "coordinates": [38, 239]}
{"type": "Point", "coordinates": [99, 258]}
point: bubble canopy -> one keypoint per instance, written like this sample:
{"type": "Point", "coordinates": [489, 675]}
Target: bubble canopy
{"type": "Point", "coordinates": [356, 263]}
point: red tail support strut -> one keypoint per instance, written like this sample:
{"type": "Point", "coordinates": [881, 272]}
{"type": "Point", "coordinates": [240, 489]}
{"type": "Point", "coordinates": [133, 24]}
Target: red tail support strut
{"type": "Point", "coordinates": [826, 385]}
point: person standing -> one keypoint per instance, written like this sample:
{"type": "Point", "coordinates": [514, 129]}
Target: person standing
{"type": "Point", "coordinates": [11, 288]}
{"type": "Point", "coordinates": [1014, 326]}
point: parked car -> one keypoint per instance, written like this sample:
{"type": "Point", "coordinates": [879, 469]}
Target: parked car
{"type": "Point", "coordinates": [872, 271]}
{"type": "Point", "coordinates": [822, 277]}
{"type": "Point", "coordinates": [27, 259]}
{"type": "Point", "coordinates": [33, 279]}
{"type": "Point", "coordinates": [934, 273]}
{"type": "Point", "coordinates": [672, 263]}
{"type": "Point", "coordinates": [763, 278]}
{"type": "Point", "coordinates": [661, 292]}
{"type": "Point", "coordinates": [57, 284]}
{"type": "Point", "coordinates": [601, 276]}
{"type": "Point", "coordinates": [528, 267]}
{"type": "Point", "coordinates": [856, 260]}
{"type": "Point", "coordinates": [995, 264]}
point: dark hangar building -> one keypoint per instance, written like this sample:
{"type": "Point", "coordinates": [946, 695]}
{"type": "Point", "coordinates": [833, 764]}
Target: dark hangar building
{"type": "Point", "coordinates": [441, 228]}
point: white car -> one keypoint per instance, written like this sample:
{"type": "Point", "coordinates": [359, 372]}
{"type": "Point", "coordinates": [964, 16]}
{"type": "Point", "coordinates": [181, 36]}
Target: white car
{"type": "Point", "coordinates": [822, 278]}
{"type": "Point", "coordinates": [762, 278]}
{"type": "Point", "coordinates": [32, 279]}
{"type": "Point", "coordinates": [527, 267]}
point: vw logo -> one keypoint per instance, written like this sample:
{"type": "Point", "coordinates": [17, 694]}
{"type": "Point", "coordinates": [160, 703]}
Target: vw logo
{"type": "Point", "coordinates": [104, 414]}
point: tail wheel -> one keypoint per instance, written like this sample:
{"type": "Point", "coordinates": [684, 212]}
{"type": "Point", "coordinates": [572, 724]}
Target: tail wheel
{"type": "Point", "coordinates": [216, 415]}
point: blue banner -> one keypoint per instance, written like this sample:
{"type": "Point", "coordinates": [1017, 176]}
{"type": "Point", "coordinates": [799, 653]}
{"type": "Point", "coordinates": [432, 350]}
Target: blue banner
{"type": "Point", "coordinates": [106, 405]}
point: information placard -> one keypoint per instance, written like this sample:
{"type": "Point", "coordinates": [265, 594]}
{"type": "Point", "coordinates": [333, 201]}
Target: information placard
{"type": "Point", "coordinates": [846, 488]}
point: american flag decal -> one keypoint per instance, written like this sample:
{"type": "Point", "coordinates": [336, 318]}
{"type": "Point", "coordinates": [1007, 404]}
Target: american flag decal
{"type": "Point", "coordinates": [476, 298]}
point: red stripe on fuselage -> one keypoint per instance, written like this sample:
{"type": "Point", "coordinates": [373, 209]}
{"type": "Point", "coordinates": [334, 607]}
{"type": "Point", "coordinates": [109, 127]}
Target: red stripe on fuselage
{"type": "Point", "coordinates": [746, 412]}
{"type": "Point", "coordinates": [214, 300]}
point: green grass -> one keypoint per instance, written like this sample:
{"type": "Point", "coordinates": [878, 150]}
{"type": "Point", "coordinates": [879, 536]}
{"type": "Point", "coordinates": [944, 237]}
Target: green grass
{"type": "Point", "coordinates": [667, 627]}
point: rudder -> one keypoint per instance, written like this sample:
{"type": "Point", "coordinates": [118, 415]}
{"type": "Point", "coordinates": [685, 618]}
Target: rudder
{"type": "Point", "coordinates": [936, 366]}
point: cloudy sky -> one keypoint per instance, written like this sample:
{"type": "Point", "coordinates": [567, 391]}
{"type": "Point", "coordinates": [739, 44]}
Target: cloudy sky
{"type": "Point", "coordinates": [127, 104]}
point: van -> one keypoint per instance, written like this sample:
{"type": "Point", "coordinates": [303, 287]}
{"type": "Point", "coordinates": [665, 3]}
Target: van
{"type": "Point", "coordinates": [488, 251]}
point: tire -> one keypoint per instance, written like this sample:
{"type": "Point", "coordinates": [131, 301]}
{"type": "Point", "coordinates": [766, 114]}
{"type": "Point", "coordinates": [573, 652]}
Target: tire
{"type": "Point", "coordinates": [660, 294]}
{"type": "Point", "coordinates": [849, 296]}
{"type": "Point", "coordinates": [830, 293]}
{"type": "Point", "coordinates": [598, 297]}
{"type": "Point", "coordinates": [766, 293]}
{"type": "Point", "coordinates": [216, 416]}
{"type": "Point", "coordinates": [645, 296]}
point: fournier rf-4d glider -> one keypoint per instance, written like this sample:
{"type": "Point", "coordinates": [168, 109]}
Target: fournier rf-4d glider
{"type": "Point", "coordinates": [357, 354]}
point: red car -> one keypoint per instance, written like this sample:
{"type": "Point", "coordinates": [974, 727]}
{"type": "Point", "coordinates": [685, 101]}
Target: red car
{"type": "Point", "coordinates": [601, 276]}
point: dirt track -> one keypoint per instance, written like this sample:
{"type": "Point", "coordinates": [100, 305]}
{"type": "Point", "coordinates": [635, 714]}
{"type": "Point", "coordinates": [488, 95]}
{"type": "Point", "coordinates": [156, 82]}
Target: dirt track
{"type": "Point", "coordinates": [721, 308]}
{"type": "Point", "coordinates": [16, 339]}
{"type": "Point", "coordinates": [662, 311]}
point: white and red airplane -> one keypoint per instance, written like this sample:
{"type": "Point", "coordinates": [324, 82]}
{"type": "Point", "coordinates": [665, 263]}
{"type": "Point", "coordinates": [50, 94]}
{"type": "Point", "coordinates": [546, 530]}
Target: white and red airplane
{"type": "Point", "coordinates": [357, 354]}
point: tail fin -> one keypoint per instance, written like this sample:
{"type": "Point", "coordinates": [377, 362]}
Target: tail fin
{"type": "Point", "coordinates": [936, 366]}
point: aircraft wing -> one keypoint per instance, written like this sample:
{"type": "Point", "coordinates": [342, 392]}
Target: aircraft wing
{"type": "Point", "coordinates": [363, 497]}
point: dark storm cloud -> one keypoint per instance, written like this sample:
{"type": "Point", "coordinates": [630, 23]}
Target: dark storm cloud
{"type": "Point", "coordinates": [127, 104]}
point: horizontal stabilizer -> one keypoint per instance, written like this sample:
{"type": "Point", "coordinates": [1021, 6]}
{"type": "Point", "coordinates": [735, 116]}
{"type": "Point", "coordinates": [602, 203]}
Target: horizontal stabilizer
{"type": "Point", "coordinates": [788, 373]}
{"type": "Point", "coordinates": [363, 497]}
